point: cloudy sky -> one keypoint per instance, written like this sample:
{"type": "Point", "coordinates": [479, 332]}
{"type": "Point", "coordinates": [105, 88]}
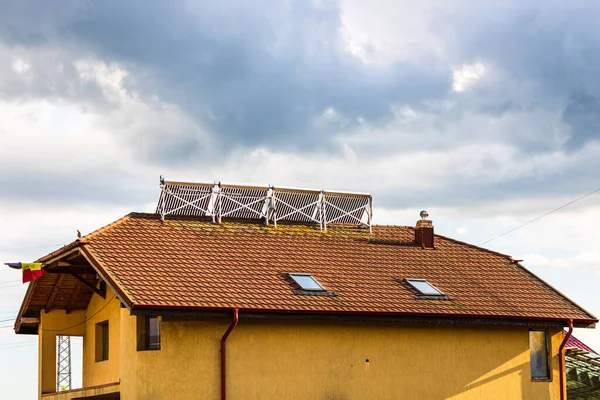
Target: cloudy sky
{"type": "Point", "coordinates": [485, 115]}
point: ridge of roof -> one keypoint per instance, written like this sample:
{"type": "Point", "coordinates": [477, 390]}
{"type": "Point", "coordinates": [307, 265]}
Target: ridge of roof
{"type": "Point", "coordinates": [61, 250]}
{"type": "Point", "coordinates": [82, 240]}
{"type": "Point", "coordinates": [106, 227]}
{"type": "Point", "coordinates": [145, 215]}
{"type": "Point", "coordinates": [474, 246]}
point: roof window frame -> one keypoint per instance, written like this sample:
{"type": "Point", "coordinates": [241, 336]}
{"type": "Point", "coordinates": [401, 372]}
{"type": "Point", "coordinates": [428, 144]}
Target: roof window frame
{"type": "Point", "coordinates": [439, 293]}
{"type": "Point", "coordinates": [292, 275]}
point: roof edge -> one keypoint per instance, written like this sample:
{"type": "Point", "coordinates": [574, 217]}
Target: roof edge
{"type": "Point", "coordinates": [474, 246]}
{"type": "Point", "coordinates": [79, 245]}
{"type": "Point", "coordinates": [107, 226]}
{"type": "Point", "coordinates": [583, 323]}
{"type": "Point", "coordinates": [518, 264]}
{"type": "Point", "coordinates": [24, 305]}
{"type": "Point", "coordinates": [112, 282]}
{"type": "Point", "coordinates": [63, 251]}
{"type": "Point", "coordinates": [525, 269]}
{"type": "Point", "coordinates": [83, 240]}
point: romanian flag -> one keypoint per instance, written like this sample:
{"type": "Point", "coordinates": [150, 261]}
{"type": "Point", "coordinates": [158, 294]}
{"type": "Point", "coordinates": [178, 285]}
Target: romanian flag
{"type": "Point", "coordinates": [31, 271]}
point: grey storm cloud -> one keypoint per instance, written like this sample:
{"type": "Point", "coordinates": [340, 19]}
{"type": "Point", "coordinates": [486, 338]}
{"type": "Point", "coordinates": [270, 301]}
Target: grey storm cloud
{"type": "Point", "coordinates": [262, 73]}
{"type": "Point", "coordinates": [259, 74]}
{"type": "Point", "coordinates": [549, 51]}
{"type": "Point", "coordinates": [253, 75]}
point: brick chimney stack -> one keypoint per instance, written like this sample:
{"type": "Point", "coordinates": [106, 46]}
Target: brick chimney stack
{"type": "Point", "coordinates": [424, 232]}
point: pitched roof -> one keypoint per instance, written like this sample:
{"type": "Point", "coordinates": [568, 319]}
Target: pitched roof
{"type": "Point", "coordinates": [573, 342]}
{"type": "Point", "coordinates": [195, 264]}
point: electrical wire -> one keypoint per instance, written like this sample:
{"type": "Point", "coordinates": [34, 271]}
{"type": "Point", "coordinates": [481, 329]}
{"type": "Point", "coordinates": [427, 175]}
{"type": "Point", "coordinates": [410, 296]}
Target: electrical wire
{"type": "Point", "coordinates": [32, 247]}
{"type": "Point", "coordinates": [84, 321]}
{"type": "Point", "coordinates": [22, 342]}
{"type": "Point", "coordinates": [70, 327]}
{"type": "Point", "coordinates": [12, 286]}
{"type": "Point", "coordinates": [18, 346]}
{"type": "Point", "coordinates": [3, 314]}
{"type": "Point", "coordinates": [541, 216]}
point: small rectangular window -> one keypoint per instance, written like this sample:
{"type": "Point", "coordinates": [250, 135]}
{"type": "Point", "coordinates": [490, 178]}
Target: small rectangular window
{"type": "Point", "coordinates": [102, 341]}
{"type": "Point", "coordinates": [306, 282]}
{"type": "Point", "coordinates": [539, 357]}
{"type": "Point", "coordinates": [148, 333]}
{"type": "Point", "coordinates": [424, 287]}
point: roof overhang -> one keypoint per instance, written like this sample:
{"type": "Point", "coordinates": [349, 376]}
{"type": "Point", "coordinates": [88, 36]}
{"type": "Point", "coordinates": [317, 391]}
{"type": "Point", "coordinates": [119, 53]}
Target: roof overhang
{"type": "Point", "coordinates": [274, 314]}
{"type": "Point", "coordinates": [70, 279]}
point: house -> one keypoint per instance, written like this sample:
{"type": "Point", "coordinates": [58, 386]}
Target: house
{"type": "Point", "coordinates": [582, 370]}
{"type": "Point", "coordinates": [267, 293]}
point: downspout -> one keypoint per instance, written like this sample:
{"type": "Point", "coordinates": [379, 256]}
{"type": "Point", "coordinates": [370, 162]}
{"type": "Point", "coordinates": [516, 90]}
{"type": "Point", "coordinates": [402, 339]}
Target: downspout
{"type": "Point", "coordinates": [561, 361]}
{"type": "Point", "coordinates": [223, 354]}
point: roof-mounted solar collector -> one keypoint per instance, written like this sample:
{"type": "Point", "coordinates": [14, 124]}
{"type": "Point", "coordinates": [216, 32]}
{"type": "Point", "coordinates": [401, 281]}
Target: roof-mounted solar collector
{"type": "Point", "coordinates": [266, 203]}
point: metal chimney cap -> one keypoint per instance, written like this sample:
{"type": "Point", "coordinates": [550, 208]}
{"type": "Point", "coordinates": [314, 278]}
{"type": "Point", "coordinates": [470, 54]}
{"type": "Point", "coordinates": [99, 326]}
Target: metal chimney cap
{"type": "Point", "coordinates": [424, 214]}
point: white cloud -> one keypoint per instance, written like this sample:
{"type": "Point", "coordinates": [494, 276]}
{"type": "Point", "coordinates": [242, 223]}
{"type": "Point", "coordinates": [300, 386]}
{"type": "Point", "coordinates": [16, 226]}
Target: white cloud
{"type": "Point", "coordinates": [20, 66]}
{"type": "Point", "coordinates": [390, 30]}
{"type": "Point", "coordinates": [466, 76]}
{"type": "Point", "coordinates": [109, 77]}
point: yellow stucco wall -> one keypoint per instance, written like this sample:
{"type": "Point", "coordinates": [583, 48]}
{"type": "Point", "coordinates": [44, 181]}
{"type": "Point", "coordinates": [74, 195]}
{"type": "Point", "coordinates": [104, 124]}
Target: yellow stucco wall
{"type": "Point", "coordinates": [293, 360]}
{"type": "Point", "coordinates": [299, 360]}
{"type": "Point", "coordinates": [99, 310]}
{"type": "Point", "coordinates": [51, 325]}
{"type": "Point", "coordinates": [81, 323]}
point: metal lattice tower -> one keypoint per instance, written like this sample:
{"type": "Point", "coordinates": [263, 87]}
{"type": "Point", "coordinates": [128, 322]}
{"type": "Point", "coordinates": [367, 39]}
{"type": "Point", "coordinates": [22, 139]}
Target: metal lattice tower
{"type": "Point", "coordinates": [63, 365]}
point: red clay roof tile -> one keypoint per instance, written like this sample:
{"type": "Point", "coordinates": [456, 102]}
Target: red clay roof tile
{"type": "Point", "coordinates": [193, 263]}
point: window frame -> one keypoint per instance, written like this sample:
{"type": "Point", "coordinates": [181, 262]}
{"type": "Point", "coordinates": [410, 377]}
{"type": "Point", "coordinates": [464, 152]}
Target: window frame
{"type": "Point", "coordinates": [143, 333]}
{"type": "Point", "coordinates": [292, 276]}
{"type": "Point", "coordinates": [410, 280]}
{"type": "Point", "coordinates": [548, 342]}
{"type": "Point", "coordinates": [102, 341]}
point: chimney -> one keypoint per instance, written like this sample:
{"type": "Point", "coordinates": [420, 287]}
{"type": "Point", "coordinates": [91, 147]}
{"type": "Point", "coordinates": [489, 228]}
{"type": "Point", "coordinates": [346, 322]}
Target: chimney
{"type": "Point", "coordinates": [424, 231]}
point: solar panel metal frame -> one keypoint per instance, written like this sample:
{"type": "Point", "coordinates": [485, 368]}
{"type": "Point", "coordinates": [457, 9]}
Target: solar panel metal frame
{"type": "Point", "coordinates": [267, 203]}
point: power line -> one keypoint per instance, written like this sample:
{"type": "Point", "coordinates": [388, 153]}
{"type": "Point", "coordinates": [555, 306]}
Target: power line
{"type": "Point", "coordinates": [32, 247]}
{"type": "Point", "coordinates": [11, 281]}
{"type": "Point", "coordinates": [12, 286]}
{"type": "Point", "coordinates": [84, 321]}
{"type": "Point", "coordinates": [22, 342]}
{"type": "Point", "coordinates": [8, 312]}
{"type": "Point", "coordinates": [17, 346]}
{"type": "Point", "coordinates": [8, 346]}
{"type": "Point", "coordinates": [70, 327]}
{"type": "Point", "coordinates": [541, 216]}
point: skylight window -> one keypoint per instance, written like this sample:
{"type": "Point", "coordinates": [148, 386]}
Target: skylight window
{"type": "Point", "coordinates": [307, 282]}
{"type": "Point", "coordinates": [424, 287]}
